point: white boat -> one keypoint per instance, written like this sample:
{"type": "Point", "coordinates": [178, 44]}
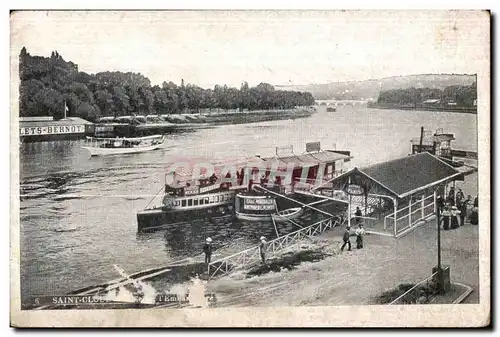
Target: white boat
{"type": "Point", "coordinates": [110, 146]}
{"type": "Point", "coordinates": [288, 214]}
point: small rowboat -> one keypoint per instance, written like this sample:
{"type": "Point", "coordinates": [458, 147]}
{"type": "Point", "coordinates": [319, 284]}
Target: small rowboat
{"type": "Point", "coordinates": [110, 146]}
{"type": "Point", "coordinates": [288, 214]}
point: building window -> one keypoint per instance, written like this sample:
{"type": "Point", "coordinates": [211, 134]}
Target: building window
{"type": "Point", "coordinates": [196, 202]}
{"type": "Point", "coordinates": [190, 202]}
{"type": "Point", "coordinates": [184, 203]}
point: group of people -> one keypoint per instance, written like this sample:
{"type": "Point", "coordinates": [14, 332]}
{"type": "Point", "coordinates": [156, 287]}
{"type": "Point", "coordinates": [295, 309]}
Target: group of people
{"type": "Point", "coordinates": [456, 210]}
{"type": "Point", "coordinates": [360, 231]}
{"type": "Point", "coordinates": [207, 250]}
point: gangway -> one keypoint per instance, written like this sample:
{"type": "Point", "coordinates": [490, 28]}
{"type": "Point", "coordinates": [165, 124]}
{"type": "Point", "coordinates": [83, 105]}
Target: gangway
{"type": "Point", "coordinates": [230, 263]}
{"type": "Point", "coordinates": [298, 202]}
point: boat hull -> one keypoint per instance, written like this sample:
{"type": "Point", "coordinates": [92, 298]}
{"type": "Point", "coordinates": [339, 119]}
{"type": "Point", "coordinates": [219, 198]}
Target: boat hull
{"type": "Point", "coordinates": [160, 218]}
{"type": "Point", "coordinates": [268, 217]}
{"type": "Point", "coordinates": [102, 151]}
{"type": "Point", "coordinates": [252, 217]}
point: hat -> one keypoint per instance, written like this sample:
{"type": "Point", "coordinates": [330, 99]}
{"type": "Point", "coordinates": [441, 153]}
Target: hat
{"type": "Point", "coordinates": [454, 207]}
{"type": "Point", "coordinates": [262, 238]}
{"type": "Point", "coordinates": [209, 240]}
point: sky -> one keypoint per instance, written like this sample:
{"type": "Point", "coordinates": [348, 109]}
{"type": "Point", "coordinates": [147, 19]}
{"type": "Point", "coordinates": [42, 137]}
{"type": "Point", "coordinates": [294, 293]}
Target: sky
{"type": "Point", "coordinates": [281, 48]}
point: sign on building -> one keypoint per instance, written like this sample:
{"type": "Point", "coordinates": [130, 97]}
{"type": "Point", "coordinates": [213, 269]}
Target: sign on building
{"type": "Point", "coordinates": [353, 189]}
{"type": "Point", "coordinates": [313, 147]}
{"type": "Point", "coordinates": [51, 130]}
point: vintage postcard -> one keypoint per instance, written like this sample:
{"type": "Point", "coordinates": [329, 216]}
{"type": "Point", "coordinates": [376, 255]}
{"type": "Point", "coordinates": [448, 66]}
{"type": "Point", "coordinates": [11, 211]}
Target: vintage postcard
{"type": "Point", "coordinates": [250, 168]}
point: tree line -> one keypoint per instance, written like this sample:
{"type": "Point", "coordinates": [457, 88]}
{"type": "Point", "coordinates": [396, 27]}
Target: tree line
{"type": "Point", "coordinates": [47, 83]}
{"type": "Point", "coordinates": [461, 95]}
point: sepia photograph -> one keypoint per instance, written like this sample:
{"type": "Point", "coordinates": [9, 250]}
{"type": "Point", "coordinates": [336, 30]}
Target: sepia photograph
{"type": "Point", "coordinates": [250, 168]}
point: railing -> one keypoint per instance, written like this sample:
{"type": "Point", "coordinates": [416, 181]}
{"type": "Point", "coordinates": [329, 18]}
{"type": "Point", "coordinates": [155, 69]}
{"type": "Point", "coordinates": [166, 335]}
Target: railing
{"type": "Point", "coordinates": [230, 263]}
{"type": "Point", "coordinates": [416, 211]}
{"type": "Point", "coordinates": [417, 294]}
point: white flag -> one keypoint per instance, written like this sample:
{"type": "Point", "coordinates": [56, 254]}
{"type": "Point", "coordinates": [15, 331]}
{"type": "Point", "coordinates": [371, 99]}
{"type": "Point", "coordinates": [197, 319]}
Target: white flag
{"type": "Point", "coordinates": [66, 107]}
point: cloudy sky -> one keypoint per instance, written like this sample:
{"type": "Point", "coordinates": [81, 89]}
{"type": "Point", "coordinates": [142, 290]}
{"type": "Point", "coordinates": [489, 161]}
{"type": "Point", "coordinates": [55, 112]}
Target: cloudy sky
{"type": "Point", "coordinates": [208, 48]}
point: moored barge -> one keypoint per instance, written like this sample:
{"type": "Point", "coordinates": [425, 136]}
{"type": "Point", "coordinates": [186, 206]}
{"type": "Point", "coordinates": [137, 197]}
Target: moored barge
{"type": "Point", "coordinates": [235, 195]}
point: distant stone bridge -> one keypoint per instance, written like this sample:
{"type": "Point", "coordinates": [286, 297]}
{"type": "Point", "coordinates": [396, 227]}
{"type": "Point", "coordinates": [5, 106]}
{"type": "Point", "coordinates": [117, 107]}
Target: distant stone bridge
{"type": "Point", "coordinates": [342, 103]}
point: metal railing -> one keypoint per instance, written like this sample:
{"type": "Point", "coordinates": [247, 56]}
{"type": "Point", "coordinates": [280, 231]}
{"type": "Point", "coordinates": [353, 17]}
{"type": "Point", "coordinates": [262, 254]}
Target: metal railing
{"type": "Point", "coordinates": [420, 293]}
{"type": "Point", "coordinates": [230, 263]}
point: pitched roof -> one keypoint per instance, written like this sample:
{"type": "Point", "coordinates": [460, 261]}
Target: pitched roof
{"type": "Point", "coordinates": [399, 177]}
{"type": "Point", "coordinates": [407, 174]}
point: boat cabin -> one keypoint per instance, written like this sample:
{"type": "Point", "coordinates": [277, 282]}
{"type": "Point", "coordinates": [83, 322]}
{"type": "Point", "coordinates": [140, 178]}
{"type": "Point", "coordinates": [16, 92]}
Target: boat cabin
{"type": "Point", "coordinates": [310, 168]}
{"type": "Point", "coordinates": [199, 201]}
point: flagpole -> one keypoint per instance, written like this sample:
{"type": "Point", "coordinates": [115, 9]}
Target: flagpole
{"type": "Point", "coordinates": [64, 109]}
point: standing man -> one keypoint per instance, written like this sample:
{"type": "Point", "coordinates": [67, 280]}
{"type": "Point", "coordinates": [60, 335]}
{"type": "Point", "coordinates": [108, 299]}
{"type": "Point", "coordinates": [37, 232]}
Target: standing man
{"type": "Point", "coordinates": [451, 196]}
{"type": "Point", "coordinates": [346, 238]}
{"type": "Point", "coordinates": [358, 215]}
{"type": "Point", "coordinates": [207, 249]}
{"type": "Point", "coordinates": [262, 249]}
{"type": "Point", "coordinates": [359, 236]}
{"type": "Point", "coordinates": [460, 196]}
{"type": "Point", "coordinates": [462, 207]}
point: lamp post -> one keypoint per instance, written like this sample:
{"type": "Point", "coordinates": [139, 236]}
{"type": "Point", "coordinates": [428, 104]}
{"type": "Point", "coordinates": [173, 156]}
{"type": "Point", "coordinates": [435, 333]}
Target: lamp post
{"type": "Point", "coordinates": [439, 207]}
{"type": "Point", "coordinates": [440, 276]}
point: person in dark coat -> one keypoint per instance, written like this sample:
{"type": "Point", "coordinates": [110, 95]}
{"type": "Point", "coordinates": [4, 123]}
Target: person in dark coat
{"type": "Point", "coordinates": [474, 217]}
{"type": "Point", "coordinates": [454, 214]}
{"type": "Point", "coordinates": [462, 207]}
{"type": "Point", "coordinates": [347, 239]}
{"type": "Point", "coordinates": [451, 196]}
{"type": "Point", "coordinates": [476, 202]}
{"type": "Point", "coordinates": [207, 249]}
{"type": "Point", "coordinates": [460, 196]}
{"type": "Point", "coordinates": [358, 215]}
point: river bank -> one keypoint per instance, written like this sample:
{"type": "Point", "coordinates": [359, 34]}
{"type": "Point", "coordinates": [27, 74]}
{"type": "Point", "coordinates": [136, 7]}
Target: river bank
{"type": "Point", "coordinates": [423, 107]}
{"type": "Point", "coordinates": [158, 124]}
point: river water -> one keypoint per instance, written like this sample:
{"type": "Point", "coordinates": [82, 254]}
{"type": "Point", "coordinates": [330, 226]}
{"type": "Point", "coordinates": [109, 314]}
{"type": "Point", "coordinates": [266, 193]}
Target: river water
{"type": "Point", "coordinates": [78, 214]}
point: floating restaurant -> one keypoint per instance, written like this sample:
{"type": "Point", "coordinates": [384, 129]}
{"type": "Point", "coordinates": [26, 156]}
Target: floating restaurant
{"type": "Point", "coordinates": [251, 190]}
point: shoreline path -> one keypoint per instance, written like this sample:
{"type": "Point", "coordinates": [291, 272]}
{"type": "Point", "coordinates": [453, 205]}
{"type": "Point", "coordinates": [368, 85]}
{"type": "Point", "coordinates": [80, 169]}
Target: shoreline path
{"type": "Point", "coordinates": [357, 277]}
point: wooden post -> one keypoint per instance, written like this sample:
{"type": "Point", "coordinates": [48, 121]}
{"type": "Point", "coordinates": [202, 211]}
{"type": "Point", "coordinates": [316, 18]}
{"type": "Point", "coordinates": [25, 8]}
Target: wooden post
{"type": "Point", "coordinates": [409, 212]}
{"type": "Point", "coordinates": [435, 202]}
{"type": "Point", "coordinates": [454, 194]}
{"type": "Point", "coordinates": [395, 219]}
{"type": "Point", "coordinates": [349, 212]}
{"type": "Point", "coordinates": [422, 204]}
{"type": "Point", "coordinates": [366, 202]}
